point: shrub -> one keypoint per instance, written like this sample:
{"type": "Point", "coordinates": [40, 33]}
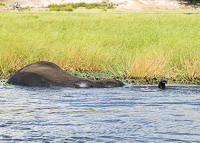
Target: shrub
{"type": "Point", "coordinates": [90, 6]}
{"type": "Point", "coordinates": [52, 6]}
{"type": "Point", "coordinates": [69, 8]}
{"type": "Point", "coordinates": [25, 8]}
{"type": "Point", "coordinates": [196, 1]}
{"type": "Point", "coordinates": [2, 4]}
{"type": "Point", "coordinates": [72, 6]}
{"type": "Point", "coordinates": [76, 5]}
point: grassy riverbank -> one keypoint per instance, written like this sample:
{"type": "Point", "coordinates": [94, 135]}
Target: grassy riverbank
{"type": "Point", "coordinates": [124, 45]}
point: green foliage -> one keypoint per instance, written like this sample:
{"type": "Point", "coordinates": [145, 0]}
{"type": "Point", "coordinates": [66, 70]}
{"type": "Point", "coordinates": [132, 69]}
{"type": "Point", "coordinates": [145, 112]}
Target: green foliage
{"type": "Point", "coordinates": [196, 1]}
{"type": "Point", "coordinates": [6, 84]}
{"type": "Point", "coordinates": [72, 6]}
{"type": "Point", "coordinates": [91, 75]}
{"type": "Point", "coordinates": [67, 8]}
{"type": "Point", "coordinates": [96, 5]}
{"type": "Point", "coordinates": [63, 7]}
{"type": "Point", "coordinates": [2, 4]}
{"type": "Point", "coordinates": [76, 5]}
{"type": "Point", "coordinates": [25, 8]}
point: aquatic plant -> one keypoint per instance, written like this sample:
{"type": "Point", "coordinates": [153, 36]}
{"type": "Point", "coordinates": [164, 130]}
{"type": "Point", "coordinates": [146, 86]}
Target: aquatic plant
{"type": "Point", "coordinates": [7, 84]}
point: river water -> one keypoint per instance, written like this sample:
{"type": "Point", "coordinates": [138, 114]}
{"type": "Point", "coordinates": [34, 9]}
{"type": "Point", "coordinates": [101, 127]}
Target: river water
{"type": "Point", "coordinates": [124, 114]}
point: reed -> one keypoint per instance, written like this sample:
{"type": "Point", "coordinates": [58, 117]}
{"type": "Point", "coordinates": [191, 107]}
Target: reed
{"type": "Point", "coordinates": [126, 45]}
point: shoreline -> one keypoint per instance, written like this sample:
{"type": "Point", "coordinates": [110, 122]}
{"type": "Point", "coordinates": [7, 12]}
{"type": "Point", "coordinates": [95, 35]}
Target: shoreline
{"type": "Point", "coordinates": [137, 81]}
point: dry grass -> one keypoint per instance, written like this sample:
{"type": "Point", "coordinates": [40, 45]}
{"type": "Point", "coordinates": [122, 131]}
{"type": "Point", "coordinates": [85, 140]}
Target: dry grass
{"type": "Point", "coordinates": [191, 68]}
{"type": "Point", "coordinates": [148, 65]}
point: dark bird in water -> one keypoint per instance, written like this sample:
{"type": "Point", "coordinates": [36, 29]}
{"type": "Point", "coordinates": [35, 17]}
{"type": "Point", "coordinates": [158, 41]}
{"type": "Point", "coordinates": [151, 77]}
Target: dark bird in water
{"type": "Point", "coordinates": [162, 83]}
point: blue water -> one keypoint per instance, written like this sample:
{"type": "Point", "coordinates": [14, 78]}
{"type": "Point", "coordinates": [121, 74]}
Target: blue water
{"type": "Point", "coordinates": [124, 114]}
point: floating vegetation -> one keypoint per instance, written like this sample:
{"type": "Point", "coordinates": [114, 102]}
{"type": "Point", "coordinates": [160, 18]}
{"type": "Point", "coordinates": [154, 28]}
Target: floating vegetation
{"type": "Point", "coordinates": [6, 84]}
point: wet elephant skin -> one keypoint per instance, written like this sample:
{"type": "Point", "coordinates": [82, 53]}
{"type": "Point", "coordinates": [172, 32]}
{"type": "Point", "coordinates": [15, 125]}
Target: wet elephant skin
{"type": "Point", "coordinates": [45, 74]}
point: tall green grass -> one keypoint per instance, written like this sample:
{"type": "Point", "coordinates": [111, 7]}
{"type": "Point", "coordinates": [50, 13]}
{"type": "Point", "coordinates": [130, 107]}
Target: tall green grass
{"type": "Point", "coordinates": [127, 45]}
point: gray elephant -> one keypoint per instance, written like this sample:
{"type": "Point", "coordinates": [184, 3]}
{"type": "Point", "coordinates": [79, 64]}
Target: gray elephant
{"type": "Point", "coordinates": [46, 74]}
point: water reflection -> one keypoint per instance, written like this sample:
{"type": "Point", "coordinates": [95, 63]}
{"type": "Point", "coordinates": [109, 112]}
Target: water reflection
{"type": "Point", "coordinates": [124, 114]}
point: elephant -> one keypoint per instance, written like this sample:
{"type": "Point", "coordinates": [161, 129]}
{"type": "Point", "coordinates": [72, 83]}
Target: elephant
{"type": "Point", "coordinates": [46, 74]}
{"type": "Point", "coordinates": [162, 83]}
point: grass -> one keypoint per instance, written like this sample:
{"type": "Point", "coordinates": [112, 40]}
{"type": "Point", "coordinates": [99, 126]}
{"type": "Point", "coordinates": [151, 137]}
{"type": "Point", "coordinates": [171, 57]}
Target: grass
{"type": "Point", "coordinates": [72, 6]}
{"type": "Point", "coordinates": [25, 8]}
{"type": "Point", "coordinates": [134, 46]}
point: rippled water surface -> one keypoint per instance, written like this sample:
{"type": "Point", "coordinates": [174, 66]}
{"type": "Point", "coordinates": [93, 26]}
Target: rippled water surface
{"type": "Point", "coordinates": [124, 114]}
